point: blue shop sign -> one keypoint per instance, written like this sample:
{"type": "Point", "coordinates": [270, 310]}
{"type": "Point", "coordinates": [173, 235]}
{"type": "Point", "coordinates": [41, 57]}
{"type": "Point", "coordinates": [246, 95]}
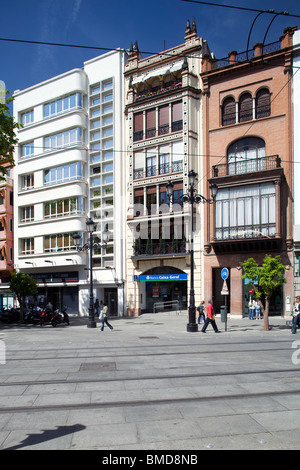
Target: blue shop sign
{"type": "Point", "coordinates": [162, 277]}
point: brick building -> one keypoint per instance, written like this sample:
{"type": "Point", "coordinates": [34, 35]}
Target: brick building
{"type": "Point", "coordinates": [247, 147]}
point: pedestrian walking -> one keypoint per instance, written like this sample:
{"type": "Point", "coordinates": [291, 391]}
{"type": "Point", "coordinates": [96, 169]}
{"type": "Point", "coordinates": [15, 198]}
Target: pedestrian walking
{"type": "Point", "coordinates": [200, 309]}
{"type": "Point", "coordinates": [104, 316]}
{"type": "Point", "coordinates": [251, 307]}
{"type": "Point", "coordinates": [210, 318]}
{"type": "Point", "coordinates": [97, 308]}
{"type": "Point", "coordinates": [295, 316]}
{"type": "Point", "coordinates": [257, 310]}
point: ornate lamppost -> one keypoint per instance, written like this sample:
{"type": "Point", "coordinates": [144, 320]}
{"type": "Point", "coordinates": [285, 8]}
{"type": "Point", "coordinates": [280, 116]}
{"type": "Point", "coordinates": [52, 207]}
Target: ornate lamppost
{"type": "Point", "coordinates": [192, 198]}
{"type": "Point", "coordinates": [89, 246]}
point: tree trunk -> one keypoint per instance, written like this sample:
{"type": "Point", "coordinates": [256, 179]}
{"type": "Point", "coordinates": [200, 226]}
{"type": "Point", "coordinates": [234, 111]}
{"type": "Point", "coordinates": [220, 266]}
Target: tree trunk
{"type": "Point", "coordinates": [266, 314]}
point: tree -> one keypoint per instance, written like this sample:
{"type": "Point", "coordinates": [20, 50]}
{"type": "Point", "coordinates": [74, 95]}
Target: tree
{"type": "Point", "coordinates": [265, 280]}
{"type": "Point", "coordinates": [8, 138]}
{"type": "Point", "coordinates": [22, 285]}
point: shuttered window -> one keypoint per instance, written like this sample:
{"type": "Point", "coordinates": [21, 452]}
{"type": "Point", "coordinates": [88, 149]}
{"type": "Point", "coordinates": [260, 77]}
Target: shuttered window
{"type": "Point", "coordinates": [138, 126]}
{"type": "Point", "coordinates": [245, 108]}
{"type": "Point", "coordinates": [262, 104]}
{"type": "Point", "coordinates": [150, 123]}
{"type": "Point", "coordinates": [228, 112]}
{"type": "Point", "coordinates": [163, 120]}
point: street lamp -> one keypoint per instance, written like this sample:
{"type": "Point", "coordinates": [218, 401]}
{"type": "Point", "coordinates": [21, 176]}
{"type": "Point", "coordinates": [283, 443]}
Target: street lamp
{"type": "Point", "coordinates": [192, 198]}
{"type": "Point", "coordinates": [89, 247]}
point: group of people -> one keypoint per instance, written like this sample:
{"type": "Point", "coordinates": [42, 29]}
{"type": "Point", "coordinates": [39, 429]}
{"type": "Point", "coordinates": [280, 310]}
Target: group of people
{"type": "Point", "coordinates": [101, 311]}
{"type": "Point", "coordinates": [210, 316]}
{"type": "Point", "coordinates": [296, 315]}
{"type": "Point", "coordinates": [254, 309]}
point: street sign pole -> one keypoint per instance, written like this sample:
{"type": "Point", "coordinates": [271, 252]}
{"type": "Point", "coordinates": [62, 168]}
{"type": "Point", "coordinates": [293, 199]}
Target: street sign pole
{"type": "Point", "coordinates": [225, 292]}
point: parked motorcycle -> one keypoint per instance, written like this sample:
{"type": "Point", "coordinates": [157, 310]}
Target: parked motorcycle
{"type": "Point", "coordinates": [46, 316]}
{"type": "Point", "coordinates": [10, 315]}
{"type": "Point", "coordinates": [55, 318]}
{"type": "Point", "coordinates": [33, 315]}
{"type": "Point", "coordinates": [60, 317]}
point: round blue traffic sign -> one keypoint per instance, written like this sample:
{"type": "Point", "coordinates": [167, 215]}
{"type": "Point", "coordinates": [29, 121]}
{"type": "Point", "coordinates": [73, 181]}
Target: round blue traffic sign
{"type": "Point", "coordinates": [224, 273]}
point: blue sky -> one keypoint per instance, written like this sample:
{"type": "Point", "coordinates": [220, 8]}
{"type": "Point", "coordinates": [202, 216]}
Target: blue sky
{"type": "Point", "coordinates": [115, 23]}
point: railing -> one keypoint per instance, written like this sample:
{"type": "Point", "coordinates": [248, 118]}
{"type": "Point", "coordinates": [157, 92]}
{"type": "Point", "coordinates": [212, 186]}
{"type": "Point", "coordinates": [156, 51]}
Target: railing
{"type": "Point", "coordinates": [242, 56]}
{"type": "Point", "coordinates": [161, 248]}
{"type": "Point", "coordinates": [246, 166]}
{"type": "Point", "coordinates": [169, 303]}
{"type": "Point", "coordinates": [164, 168]}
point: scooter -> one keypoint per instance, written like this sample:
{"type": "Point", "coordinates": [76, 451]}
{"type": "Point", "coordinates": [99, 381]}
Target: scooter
{"type": "Point", "coordinates": [33, 315]}
{"type": "Point", "coordinates": [46, 316]}
{"type": "Point", "coordinates": [60, 317]}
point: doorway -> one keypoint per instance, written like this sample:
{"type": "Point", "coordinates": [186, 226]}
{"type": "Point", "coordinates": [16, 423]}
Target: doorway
{"type": "Point", "coordinates": [217, 298]}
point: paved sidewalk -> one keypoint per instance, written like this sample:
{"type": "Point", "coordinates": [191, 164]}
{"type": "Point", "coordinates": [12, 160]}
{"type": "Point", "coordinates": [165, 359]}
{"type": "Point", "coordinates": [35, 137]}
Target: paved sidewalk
{"type": "Point", "coordinates": [149, 384]}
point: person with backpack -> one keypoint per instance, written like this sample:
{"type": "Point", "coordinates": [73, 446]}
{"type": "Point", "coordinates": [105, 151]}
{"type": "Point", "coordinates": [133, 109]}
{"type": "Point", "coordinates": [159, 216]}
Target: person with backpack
{"type": "Point", "coordinates": [200, 309]}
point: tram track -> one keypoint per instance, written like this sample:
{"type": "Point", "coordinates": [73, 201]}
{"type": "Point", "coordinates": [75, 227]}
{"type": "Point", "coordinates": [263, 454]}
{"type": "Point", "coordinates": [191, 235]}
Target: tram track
{"type": "Point", "coordinates": [148, 377]}
{"type": "Point", "coordinates": [144, 402]}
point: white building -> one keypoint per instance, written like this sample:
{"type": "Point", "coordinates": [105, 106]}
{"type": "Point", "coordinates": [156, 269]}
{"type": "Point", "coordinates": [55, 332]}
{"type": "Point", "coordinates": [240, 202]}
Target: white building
{"type": "Point", "coordinates": [69, 166]}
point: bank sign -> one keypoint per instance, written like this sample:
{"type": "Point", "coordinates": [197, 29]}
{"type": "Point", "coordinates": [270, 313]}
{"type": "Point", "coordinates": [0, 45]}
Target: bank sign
{"type": "Point", "coordinates": [162, 277]}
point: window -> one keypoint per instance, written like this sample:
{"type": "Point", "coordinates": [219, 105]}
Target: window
{"type": "Point", "coordinates": [59, 242]}
{"type": "Point", "coordinates": [163, 120]}
{"type": "Point", "coordinates": [246, 212]}
{"type": "Point", "coordinates": [150, 123]}
{"type": "Point", "coordinates": [96, 89]}
{"type": "Point", "coordinates": [164, 158]}
{"type": "Point", "coordinates": [228, 112]}
{"type": "Point", "coordinates": [27, 117]}
{"type": "Point", "coordinates": [27, 214]}
{"type": "Point", "coordinates": [63, 139]}
{"type": "Point", "coordinates": [177, 116]}
{"type": "Point", "coordinates": [63, 207]}
{"type": "Point", "coordinates": [27, 150]}
{"type": "Point", "coordinates": [151, 162]}
{"type": "Point", "coordinates": [246, 155]}
{"type": "Point", "coordinates": [63, 173]}
{"type": "Point", "coordinates": [151, 198]}
{"type": "Point", "coordinates": [262, 104]}
{"type": "Point", "coordinates": [27, 181]}
{"type": "Point", "coordinates": [138, 126]}
{"type": "Point", "coordinates": [62, 105]}
{"type": "Point", "coordinates": [27, 246]}
{"type": "Point", "coordinates": [108, 97]}
{"type": "Point", "coordinates": [245, 108]}
{"type": "Point", "coordinates": [177, 156]}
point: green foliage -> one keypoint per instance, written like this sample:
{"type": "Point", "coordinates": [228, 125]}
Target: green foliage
{"type": "Point", "coordinates": [22, 285]}
{"type": "Point", "coordinates": [265, 279]}
{"type": "Point", "coordinates": [268, 277]}
{"type": "Point", "coordinates": [8, 138]}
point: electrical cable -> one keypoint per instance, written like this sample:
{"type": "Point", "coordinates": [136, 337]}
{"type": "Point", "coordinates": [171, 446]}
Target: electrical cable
{"type": "Point", "coordinates": [285, 13]}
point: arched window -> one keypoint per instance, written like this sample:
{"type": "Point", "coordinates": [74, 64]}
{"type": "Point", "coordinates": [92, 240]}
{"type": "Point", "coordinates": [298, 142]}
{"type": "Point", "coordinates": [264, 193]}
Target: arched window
{"type": "Point", "coordinates": [246, 155]}
{"type": "Point", "coordinates": [245, 108]}
{"type": "Point", "coordinates": [262, 103]}
{"type": "Point", "coordinates": [228, 112]}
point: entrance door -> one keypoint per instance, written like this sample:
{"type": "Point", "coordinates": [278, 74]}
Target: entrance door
{"type": "Point", "coordinates": [111, 299]}
{"type": "Point", "coordinates": [217, 298]}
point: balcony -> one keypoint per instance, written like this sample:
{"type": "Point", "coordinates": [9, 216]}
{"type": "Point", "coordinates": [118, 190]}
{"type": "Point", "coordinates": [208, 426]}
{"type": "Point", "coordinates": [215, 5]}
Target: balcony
{"type": "Point", "coordinates": [161, 249]}
{"type": "Point", "coordinates": [156, 91]}
{"type": "Point", "coordinates": [238, 167]}
{"type": "Point", "coordinates": [164, 169]}
{"type": "Point", "coordinates": [151, 132]}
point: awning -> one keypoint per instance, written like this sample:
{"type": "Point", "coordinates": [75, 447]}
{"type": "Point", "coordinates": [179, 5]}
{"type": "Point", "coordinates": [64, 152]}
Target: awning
{"type": "Point", "coordinates": [170, 68]}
